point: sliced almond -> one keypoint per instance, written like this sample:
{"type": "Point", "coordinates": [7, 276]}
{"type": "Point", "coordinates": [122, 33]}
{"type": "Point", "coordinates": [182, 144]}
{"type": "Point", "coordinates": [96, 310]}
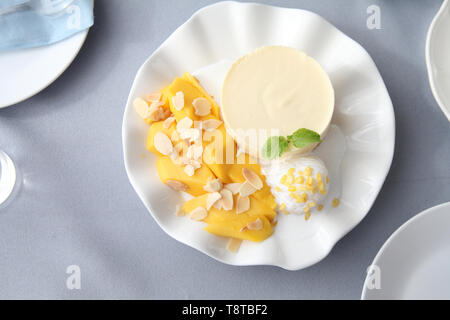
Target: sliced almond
{"type": "Point", "coordinates": [178, 100]}
{"type": "Point", "coordinates": [168, 122]}
{"type": "Point", "coordinates": [212, 198]}
{"type": "Point", "coordinates": [190, 152]}
{"type": "Point", "coordinates": [189, 170]}
{"type": "Point", "coordinates": [246, 189]}
{"type": "Point", "coordinates": [255, 225]}
{"type": "Point", "coordinates": [227, 198]}
{"type": "Point", "coordinates": [184, 124]}
{"type": "Point", "coordinates": [198, 152]}
{"type": "Point", "coordinates": [191, 134]}
{"type": "Point", "coordinates": [163, 114]}
{"type": "Point", "coordinates": [195, 163]}
{"type": "Point", "coordinates": [233, 245]}
{"type": "Point", "coordinates": [174, 155]}
{"type": "Point", "coordinates": [179, 210]}
{"type": "Point", "coordinates": [202, 107]}
{"type": "Point", "coordinates": [156, 104]}
{"type": "Point", "coordinates": [178, 147]}
{"type": "Point", "coordinates": [233, 187]}
{"type": "Point", "coordinates": [194, 152]}
{"type": "Point", "coordinates": [213, 185]}
{"type": "Point", "coordinates": [163, 143]}
{"type": "Point", "coordinates": [156, 112]}
{"type": "Point", "coordinates": [176, 185]}
{"type": "Point", "coordinates": [175, 136]}
{"type": "Point", "coordinates": [219, 204]}
{"type": "Point", "coordinates": [252, 178]}
{"type": "Point", "coordinates": [242, 204]}
{"type": "Point", "coordinates": [141, 107]}
{"type": "Point", "coordinates": [198, 214]}
{"type": "Point", "coordinates": [153, 97]}
{"type": "Point", "coordinates": [211, 124]}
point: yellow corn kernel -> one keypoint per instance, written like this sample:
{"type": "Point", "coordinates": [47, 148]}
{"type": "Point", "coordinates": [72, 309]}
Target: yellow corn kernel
{"type": "Point", "coordinates": [306, 209]}
{"type": "Point", "coordinates": [335, 202]}
{"type": "Point", "coordinates": [300, 173]}
{"type": "Point", "coordinates": [318, 177]}
{"type": "Point", "coordinates": [292, 188]}
{"type": "Point", "coordinates": [307, 216]}
{"type": "Point", "coordinates": [291, 171]}
{"type": "Point", "coordinates": [320, 207]}
{"type": "Point", "coordinates": [308, 171]}
{"type": "Point", "coordinates": [282, 206]}
{"type": "Point", "coordinates": [314, 190]}
{"type": "Point", "coordinates": [305, 196]}
{"type": "Point", "coordinates": [278, 189]}
{"type": "Point", "coordinates": [328, 180]}
{"type": "Point", "coordinates": [306, 188]}
{"type": "Point", "coordinates": [297, 197]}
{"type": "Point", "coordinates": [309, 181]}
{"type": "Point", "coordinates": [312, 204]}
{"type": "Point", "coordinates": [283, 179]}
{"type": "Point", "coordinates": [322, 188]}
{"type": "Point", "coordinates": [290, 180]}
{"type": "Point", "coordinates": [286, 212]}
{"type": "Point", "coordinates": [300, 180]}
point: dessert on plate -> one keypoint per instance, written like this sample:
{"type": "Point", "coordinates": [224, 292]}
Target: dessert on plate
{"type": "Point", "coordinates": [243, 162]}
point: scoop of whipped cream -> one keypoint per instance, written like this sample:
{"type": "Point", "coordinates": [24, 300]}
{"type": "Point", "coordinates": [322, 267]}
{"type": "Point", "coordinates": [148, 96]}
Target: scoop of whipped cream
{"type": "Point", "coordinates": [299, 184]}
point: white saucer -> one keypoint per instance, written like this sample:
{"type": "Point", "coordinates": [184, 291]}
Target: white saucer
{"type": "Point", "coordinates": [437, 53]}
{"type": "Point", "coordinates": [26, 72]}
{"type": "Point", "coordinates": [414, 263]}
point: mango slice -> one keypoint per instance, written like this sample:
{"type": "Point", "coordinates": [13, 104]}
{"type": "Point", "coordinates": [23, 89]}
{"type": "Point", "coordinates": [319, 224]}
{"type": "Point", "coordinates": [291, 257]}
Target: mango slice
{"type": "Point", "coordinates": [219, 155]}
{"type": "Point", "coordinates": [191, 90]}
{"type": "Point", "coordinates": [168, 170]}
{"type": "Point", "coordinates": [235, 174]}
{"type": "Point", "coordinates": [219, 160]}
{"type": "Point", "coordinates": [229, 224]}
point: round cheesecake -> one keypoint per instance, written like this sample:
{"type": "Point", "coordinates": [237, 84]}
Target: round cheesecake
{"type": "Point", "coordinates": [276, 90]}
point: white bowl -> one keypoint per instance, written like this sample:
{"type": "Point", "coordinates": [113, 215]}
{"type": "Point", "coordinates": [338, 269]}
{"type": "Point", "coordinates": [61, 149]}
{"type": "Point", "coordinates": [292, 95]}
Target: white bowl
{"type": "Point", "coordinates": [437, 55]}
{"type": "Point", "coordinates": [225, 31]}
{"type": "Point", "coordinates": [414, 263]}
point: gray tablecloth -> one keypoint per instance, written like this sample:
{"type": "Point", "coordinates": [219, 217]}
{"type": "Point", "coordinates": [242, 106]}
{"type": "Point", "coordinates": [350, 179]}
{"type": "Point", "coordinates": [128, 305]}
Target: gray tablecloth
{"type": "Point", "coordinates": [76, 206]}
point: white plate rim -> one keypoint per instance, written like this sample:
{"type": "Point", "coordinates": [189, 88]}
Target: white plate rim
{"type": "Point", "coordinates": [344, 231]}
{"type": "Point", "coordinates": [431, 74]}
{"type": "Point", "coordinates": [396, 233]}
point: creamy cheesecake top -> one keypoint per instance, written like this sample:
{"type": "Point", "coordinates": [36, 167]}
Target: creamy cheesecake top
{"type": "Point", "coordinates": [276, 88]}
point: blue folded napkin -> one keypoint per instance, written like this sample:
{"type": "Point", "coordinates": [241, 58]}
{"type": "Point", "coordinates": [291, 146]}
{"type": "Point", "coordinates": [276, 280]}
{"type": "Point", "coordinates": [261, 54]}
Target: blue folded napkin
{"type": "Point", "coordinates": [32, 23]}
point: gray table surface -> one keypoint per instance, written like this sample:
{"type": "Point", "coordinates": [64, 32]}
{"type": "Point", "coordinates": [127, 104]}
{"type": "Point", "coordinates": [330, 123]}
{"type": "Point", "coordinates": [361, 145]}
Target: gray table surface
{"type": "Point", "coordinates": [77, 207]}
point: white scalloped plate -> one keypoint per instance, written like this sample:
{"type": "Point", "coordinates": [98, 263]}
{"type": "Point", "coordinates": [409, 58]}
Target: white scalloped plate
{"type": "Point", "coordinates": [437, 53]}
{"type": "Point", "coordinates": [225, 31]}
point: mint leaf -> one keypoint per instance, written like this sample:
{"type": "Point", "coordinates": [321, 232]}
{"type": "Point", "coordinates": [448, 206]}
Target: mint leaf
{"type": "Point", "coordinates": [274, 147]}
{"type": "Point", "coordinates": [304, 137]}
